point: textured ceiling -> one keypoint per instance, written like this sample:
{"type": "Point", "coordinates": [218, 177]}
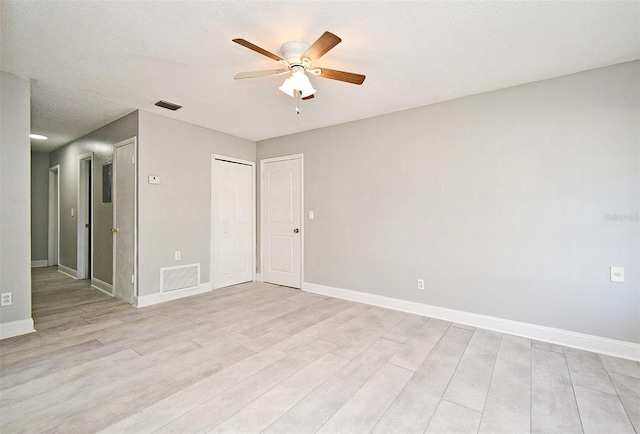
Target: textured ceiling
{"type": "Point", "coordinates": [92, 62]}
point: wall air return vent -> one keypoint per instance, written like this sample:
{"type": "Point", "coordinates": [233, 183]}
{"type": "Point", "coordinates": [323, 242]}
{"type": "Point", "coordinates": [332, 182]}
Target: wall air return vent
{"type": "Point", "coordinates": [182, 277]}
{"type": "Point", "coordinates": [168, 105]}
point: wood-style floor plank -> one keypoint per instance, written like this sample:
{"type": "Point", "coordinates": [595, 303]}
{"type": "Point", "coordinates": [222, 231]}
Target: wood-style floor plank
{"type": "Point", "coordinates": [412, 410]}
{"type": "Point", "coordinates": [553, 404]}
{"type": "Point", "coordinates": [470, 383]}
{"type": "Point", "coordinates": [320, 405]}
{"type": "Point", "coordinates": [508, 405]}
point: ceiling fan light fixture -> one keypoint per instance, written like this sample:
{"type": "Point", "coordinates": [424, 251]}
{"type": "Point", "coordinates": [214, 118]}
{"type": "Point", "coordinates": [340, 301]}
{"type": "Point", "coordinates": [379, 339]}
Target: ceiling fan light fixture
{"type": "Point", "coordinates": [298, 82]}
{"type": "Point", "coordinates": [287, 87]}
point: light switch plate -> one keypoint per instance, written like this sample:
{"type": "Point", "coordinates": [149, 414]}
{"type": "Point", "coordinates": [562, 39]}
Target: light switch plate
{"type": "Point", "coordinates": [310, 215]}
{"type": "Point", "coordinates": [617, 274]}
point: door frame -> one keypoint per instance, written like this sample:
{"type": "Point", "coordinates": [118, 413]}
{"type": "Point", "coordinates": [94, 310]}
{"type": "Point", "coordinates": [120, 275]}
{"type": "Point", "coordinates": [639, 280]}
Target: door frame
{"type": "Point", "coordinates": [215, 157]}
{"type": "Point", "coordinates": [85, 209]}
{"type": "Point", "coordinates": [262, 211]}
{"type": "Point", "coordinates": [53, 247]}
{"type": "Point", "coordinates": [134, 141]}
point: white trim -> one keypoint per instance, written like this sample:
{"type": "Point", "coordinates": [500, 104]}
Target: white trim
{"type": "Point", "coordinates": [161, 297]}
{"type": "Point", "coordinates": [302, 219]}
{"type": "Point", "coordinates": [84, 189]}
{"type": "Point", "coordinates": [253, 211]}
{"type": "Point", "coordinates": [16, 328]}
{"type": "Point", "coordinates": [40, 263]}
{"type": "Point", "coordinates": [626, 350]}
{"type": "Point", "coordinates": [258, 277]}
{"type": "Point", "coordinates": [68, 271]}
{"type": "Point", "coordinates": [53, 247]}
{"type": "Point", "coordinates": [102, 286]}
{"type": "Point", "coordinates": [262, 214]}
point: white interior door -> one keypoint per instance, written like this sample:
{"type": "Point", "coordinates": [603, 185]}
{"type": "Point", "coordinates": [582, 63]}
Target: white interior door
{"type": "Point", "coordinates": [281, 221]}
{"type": "Point", "coordinates": [54, 216]}
{"type": "Point", "coordinates": [84, 216]}
{"type": "Point", "coordinates": [124, 218]}
{"type": "Point", "coordinates": [232, 211]}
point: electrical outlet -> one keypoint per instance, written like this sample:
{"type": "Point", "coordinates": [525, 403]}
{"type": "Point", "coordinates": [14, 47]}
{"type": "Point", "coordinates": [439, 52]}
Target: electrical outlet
{"type": "Point", "coordinates": [177, 255]}
{"type": "Point", "coordinates": [6, 299]}
{"type": "Point", "coordinates": [617, 274]}
{"type": "Point", "coordinates": [420, 284]}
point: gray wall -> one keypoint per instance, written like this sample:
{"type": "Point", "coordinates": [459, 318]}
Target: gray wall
{"type": "Point", "coordinates": [175, 215]}
{"type": "Point", "coordinates": [39, 205]}
{"type": "Point", "coordinates": [15, 257]}
{"type": "Point", "coordinates": [100, 142]}
{"type": "Point", "coordinates": [512, 203]}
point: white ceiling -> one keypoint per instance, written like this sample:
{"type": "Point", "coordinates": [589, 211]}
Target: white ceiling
{"type": "Point", "coordinates": [92, 62]}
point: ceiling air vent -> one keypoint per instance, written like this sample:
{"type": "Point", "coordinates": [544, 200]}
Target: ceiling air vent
{"type": "Point", "coordinates": [168, 105]}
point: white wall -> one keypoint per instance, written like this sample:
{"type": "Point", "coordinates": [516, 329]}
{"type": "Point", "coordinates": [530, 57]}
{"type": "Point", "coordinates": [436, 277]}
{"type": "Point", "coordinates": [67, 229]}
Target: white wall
{"type": "Point", "coordinates": [39, 205]}
{"type": "Point", "coordinates": [175, 215]}
{"type": "Point", "coordinates": [502, 202]}
{"type": "Point", "coordinates": [15, 239]}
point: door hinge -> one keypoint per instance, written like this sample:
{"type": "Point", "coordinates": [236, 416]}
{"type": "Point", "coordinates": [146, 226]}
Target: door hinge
{"type": "Point", "coordinates": [133, 159]}
{"type": "Point", "coordinates": [133, 278]}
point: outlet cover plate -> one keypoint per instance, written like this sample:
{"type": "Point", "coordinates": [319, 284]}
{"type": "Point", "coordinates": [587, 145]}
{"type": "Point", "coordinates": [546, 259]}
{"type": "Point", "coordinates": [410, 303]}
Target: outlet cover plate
{"type": "Point", "coordinates": [617, 274]}
{"type": "Point", "coordinates": [6, 299]}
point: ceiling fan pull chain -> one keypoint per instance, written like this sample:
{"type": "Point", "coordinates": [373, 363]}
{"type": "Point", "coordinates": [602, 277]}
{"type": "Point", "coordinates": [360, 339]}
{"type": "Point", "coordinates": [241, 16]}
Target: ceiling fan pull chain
{"type": "Point", "coordinates": [298, 102]}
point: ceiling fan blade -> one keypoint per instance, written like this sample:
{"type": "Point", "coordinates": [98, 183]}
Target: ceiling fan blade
{"type": "Point", "coordinates": [308, 97]}
{"type": "Point", "coordinates": [349, 77]}
{"type": "Point", "coordinates": [324, 43]}
{"type": "Point", "coordinates": [257, 49]}
{"type": "Point", "coordinates": [265, 73]}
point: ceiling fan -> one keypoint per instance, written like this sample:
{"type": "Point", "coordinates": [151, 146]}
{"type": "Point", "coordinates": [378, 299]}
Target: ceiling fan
{"type": "Point", "coordinates": [297, 57]}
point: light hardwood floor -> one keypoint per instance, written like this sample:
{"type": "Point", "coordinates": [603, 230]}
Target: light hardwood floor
{"type": "Point", "coordinates": [262, 358]}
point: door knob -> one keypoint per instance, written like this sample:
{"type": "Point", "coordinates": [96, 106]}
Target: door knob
{"type": "Point", "coordinates": [296, 230]}
{"type": "Point", "coordinates": [114, 230]}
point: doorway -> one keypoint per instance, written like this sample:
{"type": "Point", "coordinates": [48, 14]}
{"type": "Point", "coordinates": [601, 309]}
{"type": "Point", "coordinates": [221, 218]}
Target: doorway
{"type": "Point", "coordinates": [281, 223]}
{"type": "Point", "coordinates": [124, 197]}
{"type": "Point", "coordinates": [53, 253]}
{"type": "Point", "coordinates": [233, 243]}
{"type": "Point", "coordinates": [85, 212]}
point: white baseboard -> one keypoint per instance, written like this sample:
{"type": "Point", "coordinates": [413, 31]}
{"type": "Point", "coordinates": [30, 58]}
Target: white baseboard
{"type": "Point", "coordinates": [68, 271]}
{"type": "Point", "coordinates": [258, 277]}
{"type": "Point", "coordinates": [626, 350]}
{"type": "Point", "coordinates": [40, 263]}
{"type": "Point", "coordinates": [16, 328]}
{"type": "Point", "coordinates": [102, 286]}
{"type": "Point", "coordinates": [161, 297]}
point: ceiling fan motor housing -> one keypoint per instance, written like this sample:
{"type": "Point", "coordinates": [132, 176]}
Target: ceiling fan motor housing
{"type": "Point", "coordinates": [292, 51]}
